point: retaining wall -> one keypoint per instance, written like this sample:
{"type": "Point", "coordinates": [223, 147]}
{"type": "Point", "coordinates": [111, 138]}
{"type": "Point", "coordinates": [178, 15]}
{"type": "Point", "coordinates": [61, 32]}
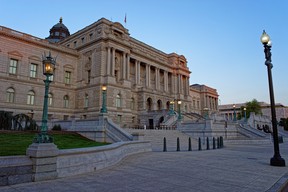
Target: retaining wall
{"type": "Point", "coordinates": [69, 162]}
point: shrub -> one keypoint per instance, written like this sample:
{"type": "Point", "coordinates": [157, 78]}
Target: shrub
{"type": "Point", "coordinates": [57, 127]}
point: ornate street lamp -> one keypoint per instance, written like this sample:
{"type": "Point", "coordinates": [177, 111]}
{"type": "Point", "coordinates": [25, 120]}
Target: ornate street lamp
{"type": "Point", "coordinates": [206, 113]}
{"type": "Point", "coordinates": [245, 117]}
{"type": "Point", "coordinates": [171, 110]}
{"type": "Point", "coordinates": [48, 70]}
{"type": "Point", "coordinates": [104, 108]}
{"type": "Point", "coordinates": [179, 110]}
{"type": "Point", "coordinates": [234, 112]}
{"type": "Point", "coordinates": [276, 160]}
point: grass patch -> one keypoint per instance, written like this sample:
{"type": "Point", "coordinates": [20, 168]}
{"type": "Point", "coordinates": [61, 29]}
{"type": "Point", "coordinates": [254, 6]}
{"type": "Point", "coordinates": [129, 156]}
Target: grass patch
{"type": "Point", "coordinates": [16, 143]}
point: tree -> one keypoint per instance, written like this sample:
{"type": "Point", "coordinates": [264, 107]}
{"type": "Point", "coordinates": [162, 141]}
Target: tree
{"type": "Point", "coordinates": [284, 123]}
{"type": "Point", "coordinates": [253, 106]}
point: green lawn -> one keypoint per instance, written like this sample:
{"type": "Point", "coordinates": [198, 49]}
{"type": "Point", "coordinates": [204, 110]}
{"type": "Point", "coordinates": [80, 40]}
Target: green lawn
{"type": "Point", "coordinates": [16, 143]}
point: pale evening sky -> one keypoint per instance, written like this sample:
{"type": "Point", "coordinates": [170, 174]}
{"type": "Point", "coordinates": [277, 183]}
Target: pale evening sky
{"type": "Point", "coordinates": [219, 38]}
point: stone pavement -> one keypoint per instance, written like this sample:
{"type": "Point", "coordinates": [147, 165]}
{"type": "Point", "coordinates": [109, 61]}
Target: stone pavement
{"type": "Point", "coordinates": [234, 168]}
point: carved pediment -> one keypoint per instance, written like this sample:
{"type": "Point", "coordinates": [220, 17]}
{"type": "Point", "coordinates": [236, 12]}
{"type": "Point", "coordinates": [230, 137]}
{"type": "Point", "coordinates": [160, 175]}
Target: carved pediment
{"type": "Point", "coordinates": [15, 53]}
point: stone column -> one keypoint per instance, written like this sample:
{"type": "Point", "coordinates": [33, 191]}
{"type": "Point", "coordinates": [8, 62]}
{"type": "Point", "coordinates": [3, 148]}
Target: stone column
{"type": "Point", "coordinates": [128, 67]}
{"type": "Point", "coordinates": [124, 66]}
{"type": "Point", "coordinates": [113, 62]}
{"type": "Point", "coordinates": [157, 79]}
{"type": "Point", "coordinates": [147, 75]}
{"type": "Point", "coordinates": [138, 72]}
{"type": "Point", "coordinates": [165, 81]}
{"type": "Point", "coordinates": [108, 72]}
{"type": "Point", "coordinates": [44, 159]}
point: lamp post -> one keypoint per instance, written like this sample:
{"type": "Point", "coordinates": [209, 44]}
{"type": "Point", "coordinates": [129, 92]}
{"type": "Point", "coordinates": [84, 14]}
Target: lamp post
{"type": "Point", "coordinates": [276, 160]}
{"type": "Point", "coordinates": [171, 108]}
{"type": "Point", "coordinates": [206, 115]}
{"type": "Point", "coordinates": [48, 70]}
{"type": "Point", "coordinates": [245, 117]}
{"type": "Point", "coordinates": [104, 108]}
{"type": "Point", "coordinates": [179, 110]}
{"type": "Point", "coordinates": [234, 112]}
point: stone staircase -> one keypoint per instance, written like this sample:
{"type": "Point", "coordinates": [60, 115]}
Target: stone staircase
{"type": "Point", "coordinates": [156, 137]}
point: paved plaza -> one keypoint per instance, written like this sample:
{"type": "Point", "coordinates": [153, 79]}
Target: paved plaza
{"type": "Point", "coordinates": [242, 168]}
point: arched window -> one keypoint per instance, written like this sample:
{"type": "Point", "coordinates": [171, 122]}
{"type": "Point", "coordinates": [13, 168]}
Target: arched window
{"type": "Point", "coordinates": [86, 101]}
{"type": "Point", "coordinates": [30, 98]}
{"type": "Point", "coordinates": [159, 105]}
{"type": "Point", "coordinates": [118, 100]}
{"type": "Point", "coordinates": [149, 104]}
{"type": "Point", "coordinates": [66, 101]}
{"type": "Point", "coordinates": [50, 99]}
{"type": "Point", "coordinates": [10, 95]}
{"type": "Point", "coordinates": [132, 103]}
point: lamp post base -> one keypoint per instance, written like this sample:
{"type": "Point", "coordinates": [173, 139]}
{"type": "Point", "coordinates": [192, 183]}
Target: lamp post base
{"type": "Point", "coordinates": [277, 161]}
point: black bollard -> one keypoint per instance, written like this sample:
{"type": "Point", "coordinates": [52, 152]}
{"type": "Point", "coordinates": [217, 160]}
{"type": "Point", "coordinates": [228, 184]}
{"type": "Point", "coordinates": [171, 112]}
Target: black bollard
{"type": "Point", "coordinates": [208, 146]}
{"type": "Point", "coordinates": [189, 145]}
{"type": "Point", "coordinates": [214, 143]}
{"type": "Point", "coordinates": [199, 144]}
{"type": "Point", "coordinates": [218, 143]}
{"type": "Point", "coordinates": [221, 142]}
{"type": "Point", "coordinates": [164, 145]}
{"type": "Point", "coordinates": [178, 144]}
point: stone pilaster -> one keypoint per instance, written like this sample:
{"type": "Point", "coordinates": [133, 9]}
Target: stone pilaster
{"type": "Point", "coordinates": [44, 160]}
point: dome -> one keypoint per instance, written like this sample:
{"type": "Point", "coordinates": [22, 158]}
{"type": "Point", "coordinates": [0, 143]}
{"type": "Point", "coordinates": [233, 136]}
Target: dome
{"type": "Point", "coordinates": [58, 32]}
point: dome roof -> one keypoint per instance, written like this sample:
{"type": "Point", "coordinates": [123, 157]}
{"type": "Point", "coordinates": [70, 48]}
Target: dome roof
{"type": "Point", "coordinates": [58, 32]}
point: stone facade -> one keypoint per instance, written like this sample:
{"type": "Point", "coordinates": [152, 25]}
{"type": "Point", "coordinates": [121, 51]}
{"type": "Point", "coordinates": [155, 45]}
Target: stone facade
{"type": "Point", "coordinates": [140, 79]}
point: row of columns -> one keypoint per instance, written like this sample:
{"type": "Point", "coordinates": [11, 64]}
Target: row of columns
{"type": "Point", "coordinates": [182, 81]}
{"type": "Point", "coordinates": [211, 102]}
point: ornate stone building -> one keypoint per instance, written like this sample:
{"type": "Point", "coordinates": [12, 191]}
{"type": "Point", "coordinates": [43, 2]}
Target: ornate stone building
{"type": "Point", "coordinates": [141, 80]}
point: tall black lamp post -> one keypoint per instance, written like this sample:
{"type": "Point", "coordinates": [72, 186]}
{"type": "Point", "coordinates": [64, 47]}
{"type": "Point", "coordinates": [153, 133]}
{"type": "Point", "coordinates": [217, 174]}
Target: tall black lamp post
{"type": "Point", "coordinates": [276, 160]}
{"type": "Point", "coordinates": [48, 70]}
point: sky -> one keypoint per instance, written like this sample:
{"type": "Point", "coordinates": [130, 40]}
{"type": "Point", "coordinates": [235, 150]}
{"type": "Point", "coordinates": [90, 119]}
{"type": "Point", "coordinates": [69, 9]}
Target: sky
{"type": "Point", "coordinates": [219, 38]}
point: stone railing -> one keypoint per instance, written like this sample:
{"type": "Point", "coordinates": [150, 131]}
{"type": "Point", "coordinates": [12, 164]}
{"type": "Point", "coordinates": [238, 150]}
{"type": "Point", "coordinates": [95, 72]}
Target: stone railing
{"type": "Point", "coordinates": [45, 161]}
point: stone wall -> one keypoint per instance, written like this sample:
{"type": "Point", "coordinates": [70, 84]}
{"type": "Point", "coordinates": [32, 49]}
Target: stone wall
{"type": "Point", "coordinates": [45, 161]}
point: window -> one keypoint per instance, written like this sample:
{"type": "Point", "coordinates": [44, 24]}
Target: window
{"type": "Point", "coordinates": [75, 43]}
{"type": "Point", "coordinates": [132, 103]}
{"type": "Point", "coordinates": [118, 100]}
{"type": "Point", "coordinates": [56, 33]}
{"type": "Point", "coordinates": [33, 70]}
{"type": "Point", "coordinates": [13, 66]}
{"type": "Point", "coordinates": [119, 118]}
{"type": "Point", "coordinates": [89, 75]}
{"type": "Point", "coordinates": [50, 99]}
{"type": "Point", "coordinates": [66, 101]}
{"type": "Point", "coordinates": [51, 77]}
{"type": "Point", "coordinates": [86, 101]}
{"type": "Point", "coordinates": [10, 95]}
{"type": "Point", "coordinates": [90, 35]}
{"type": "Point", "coordinates": [30, 98]}
{"type": "Point", "coordinates": [83, 40]}
{"type": "Point", "coordinates": [67, 79]}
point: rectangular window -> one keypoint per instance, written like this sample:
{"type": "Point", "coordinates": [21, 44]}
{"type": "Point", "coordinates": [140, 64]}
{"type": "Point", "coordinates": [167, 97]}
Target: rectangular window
{"type": "Point", "coordinates": [89, 76]}
{"type": "Point", "coordinates": [119, 118]}
{"type": "Point", "coordinates": [13, 66]}
{"type": "Point", "coordinates": [67, 79]}
{"type": "Point", "coordinates": [83, 40]}
{"type": "Point", "coordinates": [33, 70]}
{"type": "Point", "coordinates": [75, 43]}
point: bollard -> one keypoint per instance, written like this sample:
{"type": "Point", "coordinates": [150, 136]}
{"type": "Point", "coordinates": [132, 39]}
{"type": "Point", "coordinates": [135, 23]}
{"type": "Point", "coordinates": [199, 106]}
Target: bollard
{"type": "Point", "coordinates": [189, 145]}
{"type": "Point", "coordinates": [199, 144]}
{"type": "Point", "coordinates": [218, 143]}
{"type": "Point", "coordinates": [178, 144]}
{"type": "Point", "coordinates": [221, 142]}
{"type": "Point", "coordinates": [164, 145]}
{"type": "Point", "coordinates": [214, 143]}
{"type": "Point", "coordinates": [208, 147]}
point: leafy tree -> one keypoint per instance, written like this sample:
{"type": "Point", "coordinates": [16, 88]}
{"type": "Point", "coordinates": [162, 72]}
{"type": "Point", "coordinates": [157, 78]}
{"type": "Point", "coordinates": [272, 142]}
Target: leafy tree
{"type": "Point", "coordinates": [284, 123]}
{"type": "Point", "coordinates": [253, 106]}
